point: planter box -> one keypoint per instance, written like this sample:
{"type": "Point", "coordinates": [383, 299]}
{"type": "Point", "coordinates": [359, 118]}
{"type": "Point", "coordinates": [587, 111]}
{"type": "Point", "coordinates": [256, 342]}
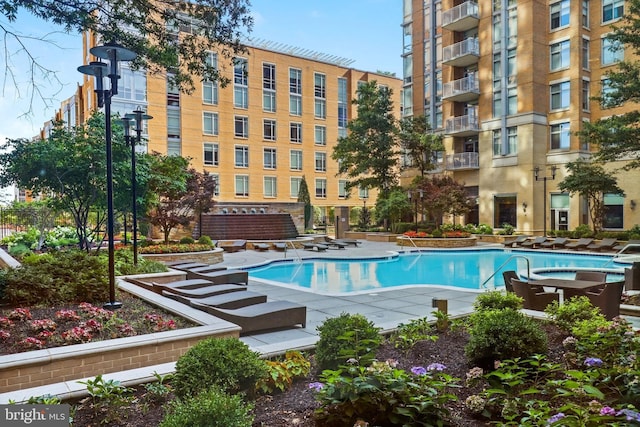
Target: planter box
{"type": "Point", "coordinates": [491, 238]}
{"type": "Point", "coordinates": [429, 242]}
{"type": "Point", "coordinates": [381, 237]}
{"type": "Point", "coordinates": [355, 235]}
{"type": "Point", "coordinates": [206, 257]}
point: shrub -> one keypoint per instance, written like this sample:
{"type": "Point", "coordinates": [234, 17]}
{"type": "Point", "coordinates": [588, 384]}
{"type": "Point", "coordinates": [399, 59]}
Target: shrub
{"type": "Point", "coordinates": [507, 229]}
{"type": "Point", "coordinates": [582, 230]}
{"type": "Point", "coordinates": [503, 334]}
{"type": "Point", "coordinates": [19, 250]}
{"type": "Point", "coordinates": [205, 240]}
{"type": "Point", "coordinates": [186, 240]}
{"type": "Point", "coordinates": [281, 373]}
{"type": "Point", "coordinates": [224, 362]}
{"type": "Point", "coordinates": [344, 337]}
{"type": "Point", "coordinates": [211, 408]}
{"type": "Point", "coordinates": [124, 264]}
{"type": "Point", "coordinates": [496, 300]}
{"type": "Point", "coordinates": [570, 313]}
{"type": "Point", "coordinates": [410, 333]}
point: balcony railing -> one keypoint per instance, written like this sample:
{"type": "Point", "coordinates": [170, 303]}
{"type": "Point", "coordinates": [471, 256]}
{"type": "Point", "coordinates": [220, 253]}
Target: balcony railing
{"type": "Point", "coordinates": [462, 125]}
{"type": "Point", "coordinates": [462, 90]}
{"type": "Point", "coordinates": [463, 161]}
{"type": "Point", "coordinates": [462, 54]}
{"type": "Point", "coordinates": [461, 17]}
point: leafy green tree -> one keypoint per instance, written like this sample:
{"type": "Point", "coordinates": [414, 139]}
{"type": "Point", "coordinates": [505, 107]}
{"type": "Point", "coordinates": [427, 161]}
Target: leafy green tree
{"type": "Point", "coordinates": [368, 155]}
{"type": "Point", "coordinates": [39, 214]}
{"type": "Point", "coordinates": [305, 197]}
{"type": "Point", "coordinates": [147, 27]}
{"type": "Point", "coordinates": [591, 181]}
{"type": "Point", "coordinates": [618, 135]}
{"type": "Point", "coordinates": [417, 138]}
{"type": "Point", "coordinates": [69, 168]}
{"type": "Point", "coordinates": [394, 206]}
{"type": "Point", "coordinates": [443, 195]}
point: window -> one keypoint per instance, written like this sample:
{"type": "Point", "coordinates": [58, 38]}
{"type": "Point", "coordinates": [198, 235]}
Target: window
{"type": "Point", "coordinates": [586, 45]}
{"type": "Point", "coordinates": [560, 136]}
{"type": "Point", "coordinates": [295, 91]}
{"type": "Point", "coordinates": [240, 84]}
{"type": "Point", "coordinates": [607, 92]}
{"type": "Point", "coordinates": [559, 14]}
{"type": "Point", "coordinates": [560, 55]}
{"type": "Point", "coordinates": [320, 94]}
{"type": "Point", "coordinates": [320, 108]}
{"type": "Point", "coordinates": [586, 94]}
{"type": "Point", "coordinates": [321, 162]}
{"type": "Point", "coordinates": [295, 132]}
{"type": "Point", "coordinates": [342, 189]}
{"type": "Point", "coordinates": [505, 211]}
{"type": "Point", "coordinates": [296, 160]}
{"type": "Point", "coordinates": [321, 188]}
{"type": "Point", "coordinates": [585, 13]}
{"type": "Point", "coordinates": [560, 95]}
{"type": "Point", "coordinates": [295, 105]}
{"type": "Point", "coordinates": [294, 187]}
{"type": "Point", "coordinates": [270, 186]}
{"type": "Point", "coordinates": [269, 87]}
{"type": "Point", "coordinates": [173, 94]}
{"type": "Point", "coordinates": [613, 211]}
{"type": "Point", "coordinates": [174, 148]}
{"type": "Point", "coordinates": [242, 185]}
{"type": "Point", "coordinates": [612, 9]}
{"type": "Point", "coordinates": [320, 135]}
{"type": "Point", "coordinates": [210, 123]}
{"type": "Point", "coordinates": [508, 147]}
{"type": "Point", "coordinates": [342, 106]}
{"type": "Point", "coordinates": [211, 154]}
{"type": "Point", "coordinates": [241, 156]}
{"type": "Point", "coordinates": [269, 130]}
{"type": "Point", "coordinates": [133, 85]}
{"type": "Point", "coordinates": [173, 123]}
{"type": "Point", "coordinates": [269, 155]}
{"type": "Point", "coordinates": [363, 193]}
{"type": "Point", "coordinates": [209, 88]}
{"type": "Point", "coordinates": [216, 188]}
{"type": "Point", "coordinates": [612, 51]}
{"type": "Point", "coordinates": [407, 38]}
{"type": "Point", "coordinates": [241, 126]}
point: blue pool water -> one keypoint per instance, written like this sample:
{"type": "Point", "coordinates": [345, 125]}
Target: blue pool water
{"type": "Point", "coordinates": [461, 269]}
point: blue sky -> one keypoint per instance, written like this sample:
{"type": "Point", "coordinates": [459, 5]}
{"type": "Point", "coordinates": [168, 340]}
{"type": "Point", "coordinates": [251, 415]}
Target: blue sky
{"type": "Point", "coordinates": [366, 31]}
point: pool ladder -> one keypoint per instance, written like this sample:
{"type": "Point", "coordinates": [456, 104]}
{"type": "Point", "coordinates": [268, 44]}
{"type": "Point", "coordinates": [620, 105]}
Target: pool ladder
{"type": "Point", "coordinates": [484, 284]}
{"type": "Point", "coordinates": [295, 250]}
{"type": "Point", "coordinates": [620, 253]}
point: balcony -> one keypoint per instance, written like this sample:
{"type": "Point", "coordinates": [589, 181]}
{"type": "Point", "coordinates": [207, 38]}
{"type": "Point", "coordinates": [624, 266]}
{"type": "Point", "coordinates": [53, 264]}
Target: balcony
{"type": "Point", "coordinates": [462, 90]}
{"type": "Point", "coordinates": [461, 54]}
{"type": "Point", "coordinates": [462, 126]}
{"type": "Point", "coordinates": [463, 17]}
{"type": "Point", "coordinates": [461, 161]}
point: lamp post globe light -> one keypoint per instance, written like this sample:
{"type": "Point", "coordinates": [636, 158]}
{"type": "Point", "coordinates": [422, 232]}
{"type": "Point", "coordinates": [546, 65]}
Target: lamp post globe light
{"type": "Point", "coordinates": [114, 53]}
{"type": "Point", "coordinates": [137, 116]}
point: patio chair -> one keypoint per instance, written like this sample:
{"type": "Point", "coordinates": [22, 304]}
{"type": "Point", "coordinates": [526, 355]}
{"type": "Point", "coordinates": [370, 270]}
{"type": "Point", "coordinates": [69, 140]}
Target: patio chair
{"type": "Point", "coordinates": [228, 300]}
{"type": "Point", "coordinates": [261, 246]}
{"type": "Point", "coordinates": [280, 246]}
{"type": "Point", "coordinates": [224, 276]}
{"type": "Point", "coordinates": [558, 242]}
{"type": "Point", "coordinates": [608, 299]}
{"type": "Point", "coordinates": [533, 243]}
{"type": "Point", "coordinates": [587, 275]}
{"type": "Point", "coordinates": [314, 246]}
{"type": "Point", "coordinates": [580, 244]}
{"type": "Point", "coordinates": [234, 246]}
{"type": "Point", "coordinates": [606, 244]}
{"type": "Point", "coordinates": [515, 241]}
{"type": "Point", "coordinates": [533, 300]}
{"type": "Point", "coordinates": [259, 317]}
{"type": "Point", "coordinates": [508, 276]}
{"type": "Point", "coordinates": [352, 242]}
{"type": "Point", "coordinates": [335, 243]}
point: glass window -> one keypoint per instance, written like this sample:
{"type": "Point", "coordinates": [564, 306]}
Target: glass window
{"type": "Point", "coordinates": [269, 87]}
{"type": "Point", "coordinates": [560, 55]}
{"type": "Point", "coordinates": [613, 211]}
{"type": "Point", "coordinates": [209, 88]}
{"type": "Point", "coordinates": [269, 101]}
{"type": "Point", "coordinates": [174, 148]}
{"type": "Point", "coordinates": [407, 39]}
{"type": "Point", "coordinates": [241, 156]}
{"type": "Point", "coordinates": [133, 85]}
{"type": "Point", "coordinates": [270, 186]}
{"type": "Point", "coordinates": [240, 82]}
{"type": "Point", "coordinates": [342, 189]}
{"type": "Point", "coordinates": [269, 158]}
{"type": "Point", "coordinates": [320, 85]}
{"type": "Point", "coordinates": [560, 136]}
{"type": "Point", "coordinates": [241, 126]}
{"type": "Point", "coordinates": [363, 193]}
{"type": "Point", "coordinates": [505, 148]}
{"type": "Point", "coordinates": [586, 45]}
{"type": "Point", "coordinates": [295, 81]}
{"type": "Point", "coordinates": [295, 105]}
{"type": "Point", "coordinates": [560, 95]}
{"type": "Point", "coordinates": [320, 108]}
{"type": "Point", "coordinates": [586, 94]}
{"type": "Point", "coordinates": [320, 137]}
{"type": "Point", "coordinates": [295, 132]}
{"type": "Point", "coordinates": [321, 162]}
{"type": "Point", "coordinates": [294, 187]}
{"type": "Point", "coordinates": [585, 13]}
{"type": "Point", "coordinates": [296, 160]}
{"type": "Point", "coordinates": [321, 188]}
{"type": "Point", "coordinates": [559, 14]}
{"type": "Point", "coordinates": [612, 9]}
{"type": "Point", "coordinates": [612, 51]}
{"type": "Point", "coordinates": [606, 93]}
{"type": "Point", "coordinates": [242, 185]}
{"type": "Point", "coordinates": [173, 123]}
{"type": "Point", "coordinates": [216, 188]}
{"type": "Point", "coordinates": [342, 104]}
{"type": "Point", "coordinates": [210, 123]}
{"type": "Point", "coordinates": [505, 211]}
{"type": "Point", "coordinates": [269, 130]}
{"type": "Point", "coordinates": [210, 154]}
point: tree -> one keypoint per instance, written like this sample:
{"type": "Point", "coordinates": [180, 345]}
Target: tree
{"type": "Point", "coordinates": [618, 135]}
{"type": "Point", "coordinates": [394, 206]}
{"type": "Point", "coordinates": [417, 138]}
{"type": "Point", "coordinates": [368, 154]}
{"type": "Point", "coordinates": [443, 195]}
{"type": "Point", "coordinates": [201, 188]}
{"type": "Point", "coordinates": [591, 181]}
{"type": "Point", "coordinates": [69, 168]}
{"type": "Point", "coordinates": [147, 27]}
{"type": "Point", "coordinates": [305, 197]}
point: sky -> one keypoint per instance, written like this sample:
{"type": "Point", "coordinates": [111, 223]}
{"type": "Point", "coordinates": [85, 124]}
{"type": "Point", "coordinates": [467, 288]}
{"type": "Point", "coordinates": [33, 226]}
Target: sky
{"type": "Point", "coordinates": [366, 31]}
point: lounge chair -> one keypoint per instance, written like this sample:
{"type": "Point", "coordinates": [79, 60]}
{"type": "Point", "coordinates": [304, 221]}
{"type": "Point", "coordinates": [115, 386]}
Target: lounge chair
{"type": "Point", "coordinates": [558, 242]}
{"type": "Point", "coordinates": [335, 243]}
{"type": "Point", "coordinates": [280, 246]}
{"type": "Point", "coordinates": [224, 276]}
{"type": "Point", "coordinates": [206, 269]}
{"type": "Point", "coordinates": [352, 242]}
{"type": "Point", "coordinates": [203, 292]}
{"type": "Point", "coordinates": [228, 300]}
{"type": "Point", "coordinates": [234, 246]}
{"type": "Point", "coordinates": [187, 265]}
{"type": "Point", "coordinates": [606, 244]}
{"type": "Point", "coordinates": [580, 244]}
{"type": "Point", "coordinates": [317, 246]}
{"type": "Point", "coordinates": [533, 243]}
{"type": "Point", "coordinates": [259, 317]}
{"type": "Point", "coordinates": [533, 300]}
{"type": "Point", "coordinates": [515, 241]}
{"type": "Point", "coordinates": [261, 246]}
{"type": "Point", "coordinates": [589, 276]}
{"type": "Point", "coordinates": [634, 248]}
{"type": "Point", "coordinates": [608, 299]}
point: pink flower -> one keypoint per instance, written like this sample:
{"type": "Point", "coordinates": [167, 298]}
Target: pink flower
{"type": "Point", "coordinates": [4, 335]}
{"type": "Point", "coordinates": [67, 315]}
{"type": "Point", "coordinates": [43, 325]}
{"type": "Point", "coordinates": [20, 314]}
{"type": "Point", "coordinates": [31, 343]}
{"type": "Point", "coordinates": [5, 322]}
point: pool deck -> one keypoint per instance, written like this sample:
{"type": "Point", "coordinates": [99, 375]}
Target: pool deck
{"type": "Point", "coordinates": [385, 308]}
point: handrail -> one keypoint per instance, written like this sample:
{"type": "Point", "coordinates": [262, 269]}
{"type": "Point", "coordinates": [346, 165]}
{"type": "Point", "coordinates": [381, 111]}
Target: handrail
{"type": "Point", "coordinates": [294, 249]}
{"type": "Point", "coordinates": [483, 285]}
{"type": "Point", "coordinates": [620, 252]}
{"type": "Point", "coordinates": [411, 240]}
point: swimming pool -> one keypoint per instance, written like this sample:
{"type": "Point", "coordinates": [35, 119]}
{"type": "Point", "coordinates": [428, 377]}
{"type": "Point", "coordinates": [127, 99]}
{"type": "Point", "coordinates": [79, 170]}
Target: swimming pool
{"type": "Point", "coordinates": [466, 269]}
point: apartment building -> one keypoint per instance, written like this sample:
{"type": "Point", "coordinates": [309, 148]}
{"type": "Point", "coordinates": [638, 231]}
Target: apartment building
{"type": "Point", "coordinates": [508, 83]}
{"type": "Point", "coordinates": [276, 123]}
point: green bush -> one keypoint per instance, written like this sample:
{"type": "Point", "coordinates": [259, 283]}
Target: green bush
{"type": "Point", "coordinates": [124, 264]}
{"type": "Point", "coordinates": [19, 250]}
{"type": "Point", "coordinates": [224, 362]}
{"type": "Point", "coordinates": [211, 408]}
{"type": "Point", "coordinates": [205, 240]}
{"type": "Point", "coordinates": [582, 230]}
{"type": "Point", "coordinates": [496, 300]}
{"type": "Point", "coordinates": [503, 334]}
{"type": "Point", "coordinates": [507, 229]}
{"type": "Point", "coordinates": [345, 337]}
{"type": "Point", "coordinates": [186, 240]}
{"type": "Point", "coordinates": [570, 313]}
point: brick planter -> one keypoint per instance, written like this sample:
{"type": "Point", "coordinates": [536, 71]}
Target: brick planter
{"type": "Point", "coordinates": [427, 242]}
{"type": "Point", "coordinates": [206, 257]}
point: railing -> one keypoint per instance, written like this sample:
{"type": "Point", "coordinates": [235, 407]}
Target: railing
{"type": "Point", "coordinates": [484, 284]}
{"type": "Point", "coordinates": [462, 123]}
{"type": "Point", "coordinates": [619, 254]}
{"type": "Point", "coordinates": [466, 84]}
{"type": "Point", "coordinates": [295, 250]}
{"type": "Point", "coordinates": [466, 9]}
{"type": "Point", "coordinates": [463, 161]}
{"type": "Point", "coordinates": [468, 46]}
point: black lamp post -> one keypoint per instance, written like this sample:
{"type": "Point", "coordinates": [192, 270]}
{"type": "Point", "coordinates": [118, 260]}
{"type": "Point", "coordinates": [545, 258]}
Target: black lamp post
{"type": "Point", "coordinates": [414, 194]}
{"type": "Point", "coordinates": [544, 179]}
{"type": "Point", "coordinates": [114, 53]}
{"type": "Point", "coordinates": [138, 116]}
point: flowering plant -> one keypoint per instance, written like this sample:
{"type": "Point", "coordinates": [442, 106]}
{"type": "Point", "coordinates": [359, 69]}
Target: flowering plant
{"type": "Point", "coordinates": [158, 323]}
{"type": "Point", "coordinates": [5, 322]}
{"type": "Point", "coordinates": [76, 335]}
{"type": "Point", "coordinates": [4, 335]}
{"type": "Point", "coordinates": [412, 233]}
{"type": "Point", "coordinates": [174, 248]}
{"type": "Point", "coordinates": [40, 325]}
{"type": "Point", "coordinates": [67, 315]}
{"type": "Point", "coordinates": [20, 314]}
{"type": "Point", "coordinates": [31, 343]}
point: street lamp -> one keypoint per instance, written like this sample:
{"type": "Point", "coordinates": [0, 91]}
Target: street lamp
{"type": "Point", "coordinates": [544, 179]}
{"type": "Point", "coordinates": [413, 194]}
{"type": "Point", "coordinates": [114, 53]}
{"type": "Point", "coordinates": [138, 116]}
